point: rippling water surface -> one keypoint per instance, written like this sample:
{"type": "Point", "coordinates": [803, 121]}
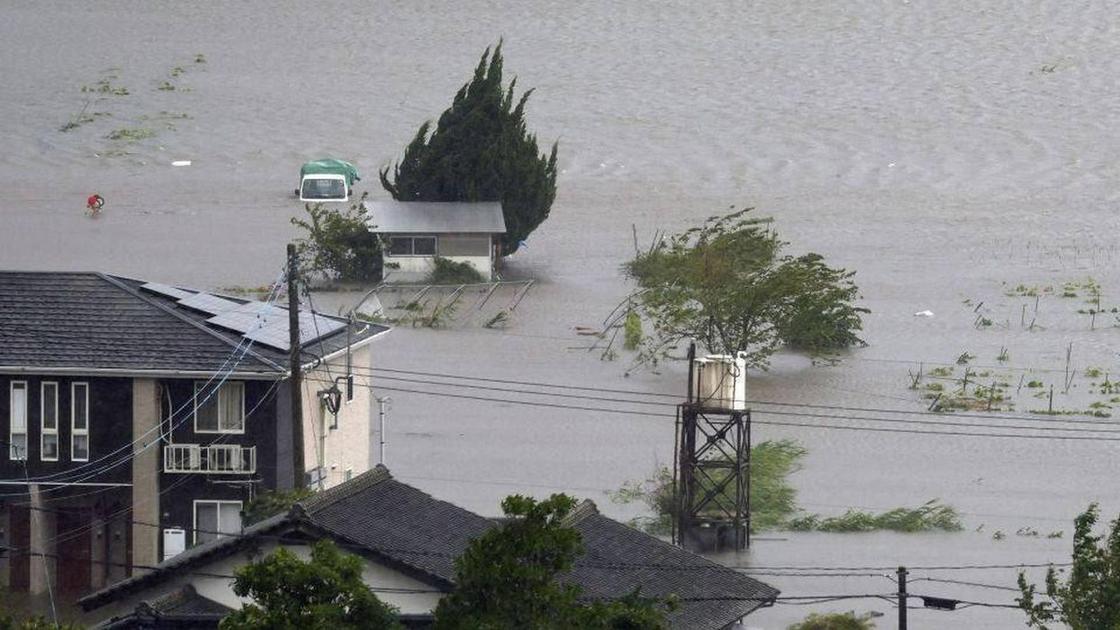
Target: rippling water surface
{"type": "Point", "coordinates": [939, 149]}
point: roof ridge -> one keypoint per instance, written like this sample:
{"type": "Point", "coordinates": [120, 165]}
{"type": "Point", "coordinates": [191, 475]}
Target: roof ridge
{"type": "Point", "coordinates": [332, 495]}
{"type": "Point", "coordinates": [116, 282]}
{"type": "Point", "coordinates": [584, 509]}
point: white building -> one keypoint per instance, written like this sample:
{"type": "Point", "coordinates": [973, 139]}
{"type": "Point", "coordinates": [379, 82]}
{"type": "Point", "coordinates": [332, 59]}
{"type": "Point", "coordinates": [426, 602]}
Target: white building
{"type": "Point", "coordinates": [415, 233]}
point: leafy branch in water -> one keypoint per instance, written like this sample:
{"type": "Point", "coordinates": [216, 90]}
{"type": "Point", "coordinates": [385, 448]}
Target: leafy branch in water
{"type": "Point", "coordinates": [773, 500]}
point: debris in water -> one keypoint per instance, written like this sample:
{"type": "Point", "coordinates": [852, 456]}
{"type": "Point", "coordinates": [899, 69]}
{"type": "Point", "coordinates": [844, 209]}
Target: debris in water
{"type": "Point", "coordinates": [924, 314]}
{"type": "Point", "coordinates": [181, 163]}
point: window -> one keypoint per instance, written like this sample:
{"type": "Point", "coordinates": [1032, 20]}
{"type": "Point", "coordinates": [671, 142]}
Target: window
{"type": "Point", "coordinates": [79, 422]}
{"type": "Point", "coordinates": [216, 519]}
{"type": "Point", "coordinates": [48, 418]}
{"type": "Point", "coordinates": [412, 246]}
{"type": "Point", "coordinates": [223, 412]}
{"type": "Point", "coordinates": [17, 414]}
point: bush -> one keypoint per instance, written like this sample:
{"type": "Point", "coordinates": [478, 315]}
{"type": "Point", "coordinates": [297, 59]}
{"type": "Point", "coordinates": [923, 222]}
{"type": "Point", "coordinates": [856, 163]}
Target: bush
{"type": "Point", "coordinates": [447, 271]}
{"type": "Point", "coordinates": [339, 244]}
{"type": "Point", "coordinates": [835, 621]}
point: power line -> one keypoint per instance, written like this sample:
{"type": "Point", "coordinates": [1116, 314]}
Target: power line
{"type": "Point", "coordinates": [788, 413]}
{"type": "Point", "coordinates": [677, 398]}
{"type": "Point", "coordinates": [762, 422]}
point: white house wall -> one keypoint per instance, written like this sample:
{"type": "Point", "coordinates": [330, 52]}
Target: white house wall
{"type": "Point", "coordinates": [348, 446]}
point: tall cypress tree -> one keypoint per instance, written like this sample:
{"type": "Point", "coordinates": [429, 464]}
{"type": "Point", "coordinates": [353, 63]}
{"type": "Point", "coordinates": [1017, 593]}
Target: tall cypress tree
{"type": "Point", "coordinates": [481, 151]}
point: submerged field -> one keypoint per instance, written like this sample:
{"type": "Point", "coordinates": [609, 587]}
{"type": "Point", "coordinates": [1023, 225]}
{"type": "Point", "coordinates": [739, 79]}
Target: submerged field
{"type": "Point", "coordinates": [950, 153]}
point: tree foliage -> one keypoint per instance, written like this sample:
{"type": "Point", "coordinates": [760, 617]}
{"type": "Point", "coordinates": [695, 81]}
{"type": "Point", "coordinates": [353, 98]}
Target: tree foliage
{"type": "Point", "coordinates": [1089, 597]}
{"type": "Point", "coordinates": [326, 593]}
{"type": "Point", "coordinates": [835, 621]}
{"type": "Point", "coordinates": [273, 502]}
{"type": "Point", "coordinates": [8, 622]}
{"type": "Point", "coordinates": [481, 150]}
{"type": "Point", "coordinates": [728, 285]}
{"type": "Point", "coordinates": [339, 244]}
{"type": "Point", "coordinates": [507, 578]}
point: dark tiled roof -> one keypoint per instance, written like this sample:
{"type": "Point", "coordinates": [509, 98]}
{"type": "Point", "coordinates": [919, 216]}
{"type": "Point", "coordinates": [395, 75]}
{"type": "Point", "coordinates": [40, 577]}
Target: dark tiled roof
{"type": "Point", "coordinates": [92, 321]}
{"type": "Point", "coordinates": [422, 536]}
{"type": "Point", "coordinates": [186, 601]}
{"type": "Point", "coordinates": [398, 522]}
{"type": "Point", "coordinates": [181, 608]}
{"type": "Point", "coordinates": [619, 559]}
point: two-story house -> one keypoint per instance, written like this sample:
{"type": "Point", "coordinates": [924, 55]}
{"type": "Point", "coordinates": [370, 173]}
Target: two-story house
{"type": "Point", "coordinates": [138, 419]}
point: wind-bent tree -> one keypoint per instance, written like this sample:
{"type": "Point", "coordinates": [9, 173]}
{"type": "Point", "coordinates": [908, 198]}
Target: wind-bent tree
{"type": "Point", "coordinates": [507, 578]}
{"type": "Point", "coordinates": [728, 285]}
{"type": "Point", "coordinates": [1089, 597]}
{"type": "Point", "coordinates": [290, 594]}
{"type": "Point", "coordinates": [481, 151]}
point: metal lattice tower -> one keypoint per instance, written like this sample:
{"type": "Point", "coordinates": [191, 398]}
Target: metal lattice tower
{"type": "Point", "coordinates": [712, 476]}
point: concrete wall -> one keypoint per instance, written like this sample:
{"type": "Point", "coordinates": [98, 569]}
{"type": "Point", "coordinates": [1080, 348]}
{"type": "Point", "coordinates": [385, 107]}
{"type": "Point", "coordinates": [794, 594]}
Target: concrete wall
{"type": "Point", "coordinates": [346, 447]}
{"type": "Point", "coordinates": [145, 472]}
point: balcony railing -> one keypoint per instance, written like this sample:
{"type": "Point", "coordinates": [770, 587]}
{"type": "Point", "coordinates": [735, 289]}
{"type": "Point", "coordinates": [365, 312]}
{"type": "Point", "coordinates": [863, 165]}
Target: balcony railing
{"type": "Point", "coordinates": [228, 459]}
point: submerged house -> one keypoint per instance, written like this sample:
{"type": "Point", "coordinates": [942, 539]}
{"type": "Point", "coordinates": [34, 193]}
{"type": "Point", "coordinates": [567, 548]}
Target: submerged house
{"type": "Point", "coordinates": [409, 541]}
{"type": "Point", "coordinates": [415, 233]}
{"type": "Point", "coordinates": [137, 419]}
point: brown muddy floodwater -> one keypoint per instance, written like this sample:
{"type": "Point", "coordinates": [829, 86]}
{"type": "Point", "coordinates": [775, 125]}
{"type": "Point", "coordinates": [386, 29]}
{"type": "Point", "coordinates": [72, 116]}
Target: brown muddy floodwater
{"type": "Point", "coordinates": [947, 151]}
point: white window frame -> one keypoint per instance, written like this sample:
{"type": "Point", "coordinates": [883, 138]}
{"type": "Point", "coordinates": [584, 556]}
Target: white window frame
{"type": "Point", "coordinates": [74, 430]}
{"type": "Point", "coordinates": [413, 237]}
{"type": "Point", "coordinates": [12, 453]}
{"type": "Point", "coordinates": [216, 396]}
{"type": "Point", "coordinates": [43, 430]}
{"type": "Point", "coordinates": [219, 502]}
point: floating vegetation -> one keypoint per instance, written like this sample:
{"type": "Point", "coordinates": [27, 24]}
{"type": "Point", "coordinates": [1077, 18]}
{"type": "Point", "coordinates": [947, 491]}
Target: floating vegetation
{"type": "Point", "coordinates": [931, 516]}
{"type": "Point", "coordinates": [200, 58]}
{"type": "Point", "coordinates": [131, 134]}
{"type": "Point", "coordinates": [81, 119]}
{"type": "Point", "coordinates": [105, 86]}
{"type": "Point", "coordinates": [166, 86]}
{"type": "Point", "coordinates": [965, 357]}
{"type": "Point", "coordinates": [176, 71]}
{"type": "Point", "coordinates": [632, 328]}
{"type": "Point", "coordinates": [499, 320]}
{"type": "Point", "coordinates": [773, 500]}
{"type": "Point", "coordinates": [1093, 372]}
{"type": "Point", "coordinates": [941, 371]}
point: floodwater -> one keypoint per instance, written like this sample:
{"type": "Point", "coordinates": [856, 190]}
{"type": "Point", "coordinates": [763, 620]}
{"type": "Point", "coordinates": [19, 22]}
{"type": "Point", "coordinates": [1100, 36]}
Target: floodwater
{"type": "Point", "coordinates": [946, 151]}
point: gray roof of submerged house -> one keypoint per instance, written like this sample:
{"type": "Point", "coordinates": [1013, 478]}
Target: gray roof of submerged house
{"type": "Point", "coordinates": [87, 322]}
{"type": "Point", "coordinates": [409, 530]}
{"type": "Point", "coordinates": [423, 217]}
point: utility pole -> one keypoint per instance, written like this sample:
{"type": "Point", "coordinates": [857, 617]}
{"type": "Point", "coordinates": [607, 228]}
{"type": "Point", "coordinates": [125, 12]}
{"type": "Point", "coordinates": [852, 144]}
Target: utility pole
{"type": "Point", "coordinates": [902, 598]}
{"type": "Point", "coordinates": [295, 382]}
{"type": "Point", "coordinates": [381, 432]}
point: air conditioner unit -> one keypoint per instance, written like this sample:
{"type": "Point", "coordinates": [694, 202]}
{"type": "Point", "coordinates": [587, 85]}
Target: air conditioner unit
{"type": "Point", "coordinates": [719, 381]}
{"type": "Point", "coordinates": [174, 542]}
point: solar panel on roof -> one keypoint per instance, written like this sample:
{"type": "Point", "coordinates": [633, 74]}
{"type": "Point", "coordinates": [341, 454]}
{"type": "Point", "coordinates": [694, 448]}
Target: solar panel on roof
{"type": "Point", "coordinates": [239, 322]}
{"type": "Point", "coordinates": [166, 290]}
{"type": "Point", "coordinates": [311, 327]}
{"type": "Point", "coordinates": [207, 303]}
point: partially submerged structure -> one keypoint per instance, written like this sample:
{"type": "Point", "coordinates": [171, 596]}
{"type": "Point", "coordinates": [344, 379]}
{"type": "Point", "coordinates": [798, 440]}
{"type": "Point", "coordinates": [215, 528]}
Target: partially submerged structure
{"type": "Point", "coordinates": [138, 418]}
{"type": "Point", "coordinates": [409, 542]}
{"type": "Point", "coordinates": [415, 233]}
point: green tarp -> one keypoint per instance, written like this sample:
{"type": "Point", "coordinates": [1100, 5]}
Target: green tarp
{"type": "Point", "coordinates": [331, 166]}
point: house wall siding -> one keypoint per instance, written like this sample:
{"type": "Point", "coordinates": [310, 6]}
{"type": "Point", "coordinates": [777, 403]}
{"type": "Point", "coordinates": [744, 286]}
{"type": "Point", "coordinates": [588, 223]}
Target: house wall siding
{"type": "Point", "coordinates": [180, 490]}
{"type": "Point", "coordinates": [110, 429]}
{"type": "Point", "coordinates": [346, 447]}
